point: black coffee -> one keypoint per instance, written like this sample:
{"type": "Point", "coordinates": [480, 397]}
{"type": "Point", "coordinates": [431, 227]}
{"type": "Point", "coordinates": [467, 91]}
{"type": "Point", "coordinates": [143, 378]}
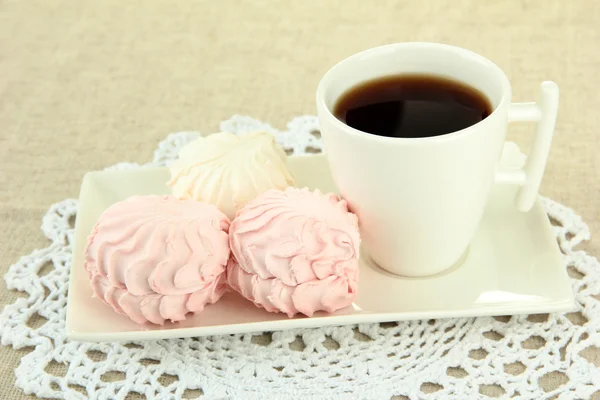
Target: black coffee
{"type": "Point", "coordinates": [412, 106]}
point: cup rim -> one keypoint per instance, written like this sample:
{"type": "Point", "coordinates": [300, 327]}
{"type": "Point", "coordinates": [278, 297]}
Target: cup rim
{"type": "Point", "coordinates": [504, 99]}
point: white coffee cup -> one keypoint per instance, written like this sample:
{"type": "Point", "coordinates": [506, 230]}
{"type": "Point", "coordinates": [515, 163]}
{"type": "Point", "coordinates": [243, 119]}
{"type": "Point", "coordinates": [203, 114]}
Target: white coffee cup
{"type": "Point", "coordinates": [419, 201]}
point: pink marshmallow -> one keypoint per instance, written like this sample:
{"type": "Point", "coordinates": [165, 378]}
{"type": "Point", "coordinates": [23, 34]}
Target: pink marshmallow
{"type": "Point", "coordinates": [295, 251]}
{"type": "Point", "coordinates": [157, 258]}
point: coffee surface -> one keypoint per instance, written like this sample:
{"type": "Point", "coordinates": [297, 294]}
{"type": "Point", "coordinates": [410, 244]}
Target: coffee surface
{"type": "Point", "coordinates": [412, 106]}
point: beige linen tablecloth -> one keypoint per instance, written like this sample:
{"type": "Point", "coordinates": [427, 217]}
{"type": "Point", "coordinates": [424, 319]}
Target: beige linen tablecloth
{"type": "Point", "coordinates": [84, 85]}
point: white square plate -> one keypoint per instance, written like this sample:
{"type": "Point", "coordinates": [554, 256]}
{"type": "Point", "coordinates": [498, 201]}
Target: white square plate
{"type": "Point", "coordinates": [513, 266]}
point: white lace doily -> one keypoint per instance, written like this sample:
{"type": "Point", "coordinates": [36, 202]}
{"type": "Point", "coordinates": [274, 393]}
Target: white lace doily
{"type": "Point", "coordinates": [437, 359]}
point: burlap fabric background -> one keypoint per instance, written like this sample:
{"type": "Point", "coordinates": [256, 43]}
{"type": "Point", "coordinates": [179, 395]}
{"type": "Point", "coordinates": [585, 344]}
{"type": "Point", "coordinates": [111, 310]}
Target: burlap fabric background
{"type": "Point", "coordinates": [85, 84]}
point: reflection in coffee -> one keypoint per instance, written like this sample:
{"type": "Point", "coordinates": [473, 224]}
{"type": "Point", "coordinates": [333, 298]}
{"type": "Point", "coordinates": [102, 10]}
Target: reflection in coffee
{"type": "Point", "coordinates": [412, 106]}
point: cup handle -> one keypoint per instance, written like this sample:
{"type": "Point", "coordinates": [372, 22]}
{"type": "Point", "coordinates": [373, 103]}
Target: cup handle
{"type": "Point", "coordinates": [543, 111]}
